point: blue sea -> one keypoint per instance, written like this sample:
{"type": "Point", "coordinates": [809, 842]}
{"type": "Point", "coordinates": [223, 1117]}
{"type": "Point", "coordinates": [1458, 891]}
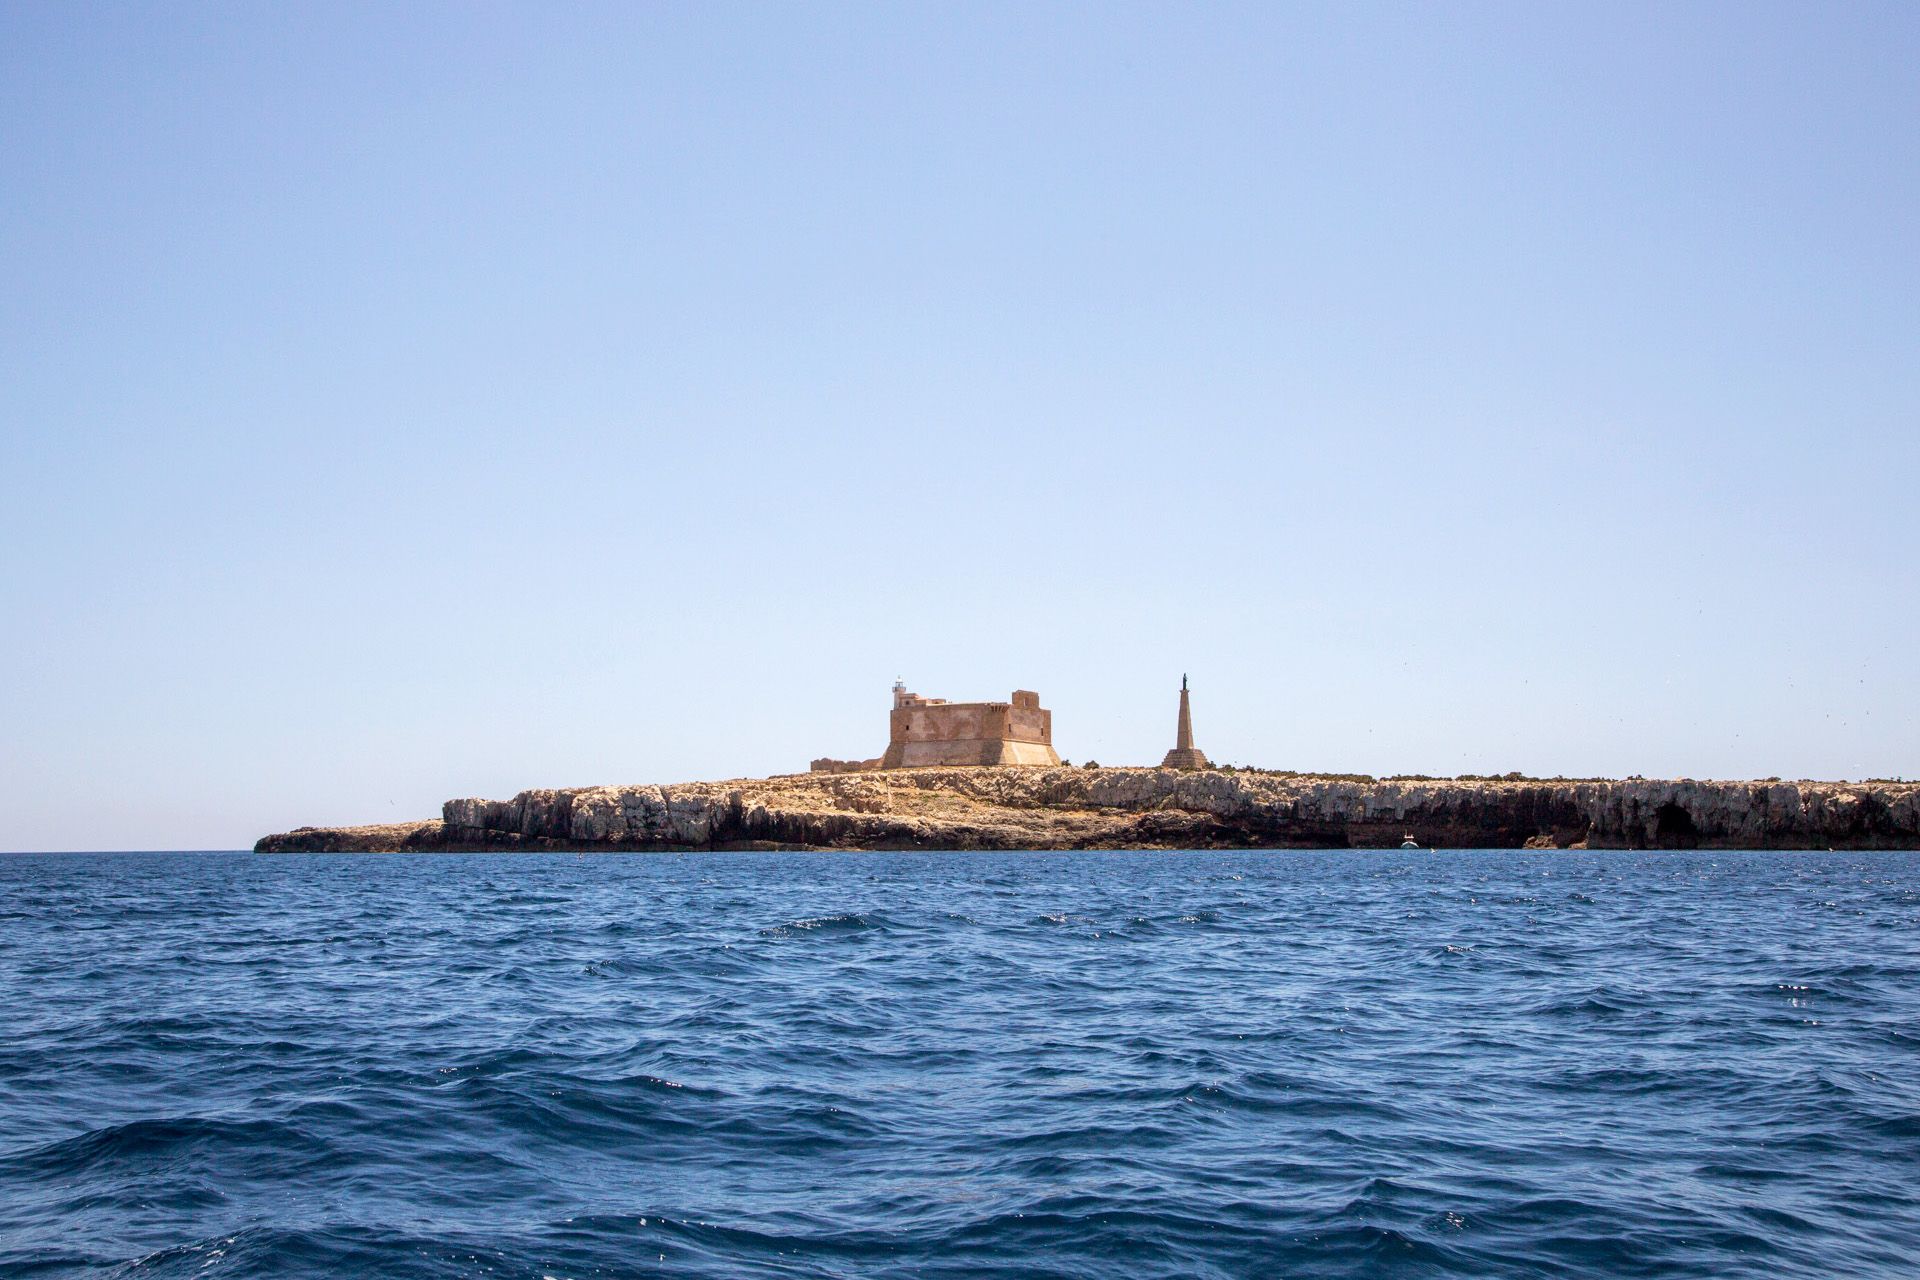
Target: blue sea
{"type": "Point", "coordinates": [1473, 1064]}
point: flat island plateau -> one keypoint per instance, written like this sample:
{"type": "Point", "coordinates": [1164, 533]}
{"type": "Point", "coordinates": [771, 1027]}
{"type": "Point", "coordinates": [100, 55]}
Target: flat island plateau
{"type": "Point", "coordinates": [1015, 807]}
{"type": "Point", "coordinates": [984, 775]}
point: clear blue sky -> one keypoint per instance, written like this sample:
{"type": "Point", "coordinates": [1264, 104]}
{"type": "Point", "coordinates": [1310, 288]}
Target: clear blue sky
{"type": "Point", "coordinates": [407, 401]}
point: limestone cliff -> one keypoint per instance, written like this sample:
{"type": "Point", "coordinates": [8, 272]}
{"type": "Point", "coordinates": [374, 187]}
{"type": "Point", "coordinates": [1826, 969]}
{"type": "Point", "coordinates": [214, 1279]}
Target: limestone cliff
{"type": "Point", "coordinates": [1067, 808]}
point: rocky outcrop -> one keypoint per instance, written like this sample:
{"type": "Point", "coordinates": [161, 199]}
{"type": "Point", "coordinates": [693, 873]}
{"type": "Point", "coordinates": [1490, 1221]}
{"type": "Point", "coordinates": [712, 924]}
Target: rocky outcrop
{"type": "Point", "coordinates": [1067, 808]}
{"type": "Point", "coordinates": [388, 837]}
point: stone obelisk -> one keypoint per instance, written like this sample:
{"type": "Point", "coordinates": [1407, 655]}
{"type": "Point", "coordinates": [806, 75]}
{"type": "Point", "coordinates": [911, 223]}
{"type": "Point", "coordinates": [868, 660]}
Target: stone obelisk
{"type": "Point", "coordinates": [1184, 754]}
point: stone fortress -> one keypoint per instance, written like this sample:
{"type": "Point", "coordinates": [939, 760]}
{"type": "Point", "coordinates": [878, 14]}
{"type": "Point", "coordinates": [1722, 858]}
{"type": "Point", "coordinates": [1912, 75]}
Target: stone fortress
{"type": "Point", "coordinates": [932, 731]}
{"type": "Point", "coordinates": [927, 733]}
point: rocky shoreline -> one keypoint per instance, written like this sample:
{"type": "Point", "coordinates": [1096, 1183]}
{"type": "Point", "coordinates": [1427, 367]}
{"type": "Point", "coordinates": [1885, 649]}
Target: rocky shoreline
{"type": "Point", "coordinates": [1069, 808]}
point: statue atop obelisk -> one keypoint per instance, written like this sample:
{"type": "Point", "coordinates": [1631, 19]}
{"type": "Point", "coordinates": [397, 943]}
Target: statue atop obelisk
{"type": "Point", "coordinates": [1184, 754]}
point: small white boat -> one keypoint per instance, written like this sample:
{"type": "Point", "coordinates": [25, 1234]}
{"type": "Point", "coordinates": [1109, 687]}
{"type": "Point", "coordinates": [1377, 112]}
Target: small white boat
{"type": "Point", "coordinates": [1409, 843]}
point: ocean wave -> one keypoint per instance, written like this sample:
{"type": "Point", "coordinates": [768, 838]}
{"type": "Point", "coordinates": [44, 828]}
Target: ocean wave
{"type": "Point", "coordinates": [1218, 1064]}
{"type": "Point", "coordinates": [164, 1140]}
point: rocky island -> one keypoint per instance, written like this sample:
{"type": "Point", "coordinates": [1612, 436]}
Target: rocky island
{"type": "Point", "coordinates": [1015, 807]}
{"type": "Point", "coordinates": [984, 775]}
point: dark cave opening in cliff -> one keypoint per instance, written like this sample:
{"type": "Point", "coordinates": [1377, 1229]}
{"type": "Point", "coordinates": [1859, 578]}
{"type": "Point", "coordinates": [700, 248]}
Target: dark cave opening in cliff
{"type": "Point", "coordinates": [1673, 828]}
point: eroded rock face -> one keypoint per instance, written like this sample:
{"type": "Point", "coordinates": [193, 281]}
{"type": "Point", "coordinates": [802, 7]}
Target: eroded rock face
{"type": "Point", "coordinates": [1066, 808]}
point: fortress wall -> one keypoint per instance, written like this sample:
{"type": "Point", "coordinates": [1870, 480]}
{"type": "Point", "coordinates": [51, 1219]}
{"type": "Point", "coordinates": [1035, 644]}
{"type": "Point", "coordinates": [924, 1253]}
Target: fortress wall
{"type": "Point", "coordinates": [1026, 753]}
{"type": "Point", "coordinates": [949, 722]}
{"type": "Point", "coordinates": [969, 751]}
{"type": "Point", "coordinates": [827, 764]}
{"type": "Point", "coordinates": [1029, 724]}
{"type": "Point", "coordinates": [923, 734]}
{"type": "Point", "coordinates": [956, 721]}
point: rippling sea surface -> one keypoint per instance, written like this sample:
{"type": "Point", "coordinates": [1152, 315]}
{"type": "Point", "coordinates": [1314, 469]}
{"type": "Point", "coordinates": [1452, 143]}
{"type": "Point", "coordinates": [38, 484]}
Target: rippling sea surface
{"type": "Point", "coordinates": [1147, 1064]}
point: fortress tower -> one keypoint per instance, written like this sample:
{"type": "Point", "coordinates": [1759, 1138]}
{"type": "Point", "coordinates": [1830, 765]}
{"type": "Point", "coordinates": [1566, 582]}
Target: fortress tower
{"type": "Point", "coordinates": [1184, 754]}
{"type": "Point", "coordinates": [933, 731]}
